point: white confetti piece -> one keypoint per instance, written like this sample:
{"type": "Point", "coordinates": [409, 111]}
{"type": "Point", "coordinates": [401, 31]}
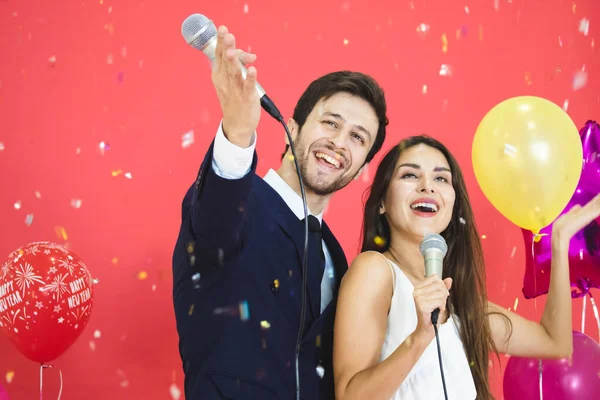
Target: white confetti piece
{"type": "Point", "coordinates": [514, 251]}
{"type": "Point", "coordinates": [17, 205]}
{"type": "Point", "coordinates": [566, 105]}
{"type": "Point", "coordinates": [38, 195]}
{"type": "Point", "coordinates": [245, 8]}
{"type": "Point", "coordinates": [346, 42]}
{"type": "Point", "coordinates": [424, 89]}
{"type": "Point", "coordinates": [422, 29]}
{"type": "Point", "coordinates": [320, 371]}
{"type": "Point", "coordinates": [584, 26]}
{"type": "Point", "coordinates": [76, 203]}
{"type": "Point", "coordinates": [1, 146]}
{"type": "Point", "coordinates": [128, 175]}
{"type": "Point", "coordinates": [97, 334]}
{"type": "Point", "coordinates": [445, 70]}
{"type": "Point", "coordinates": [579, 80]}
{"type": "Point", "coordinates": [187, 139]}
{"type": "Point", "coordinates": [467, 9]}
{"type": "Point", "coordinates": [29, 219]}
{"type": "Point", "coordinates": [175, 392]}
{"type": "Point", "coordinates": [92, 345]}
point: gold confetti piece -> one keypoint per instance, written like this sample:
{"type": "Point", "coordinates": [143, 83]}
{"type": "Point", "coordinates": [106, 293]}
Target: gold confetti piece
{"type": "Point", "coordinates": [444, 43]}
{"type": "Point", "coordinates": [318, 341]}
{"type": "Point", "coordinates": [191, 310]}
{"type": "Point", "coordinates": [10, 376]}
{"type": "Point", "coordinates": [265, 324]}
{"type": "Point", "coordinates": [276, 283]}
{"type": "Point", "coordinates": [346, 41]}
{"type": "Point", "coordinates": [516, 304]}
{"type": "Point", "coordinates": [61, 232]}
{"type": "Point", "coordinates": [116, 173]}
{"type": "Point", "coordinates": [110, 28]}
{"type": "Point", "coordinates": [379, 241]}
{"type": "Point", "coordinates": [574, 7]}
{"type": "Point", "coordinates": [291, 157]}
{"type": "Point", "coordinates": [528, 78]}
{"type": "Point", "coordinates": [115, 260]}
{"type": "Point", "coordinates": [142, 275]}
{"type": "Point", "coordinates": [483, 236]}
{"type": "Point", "coordinates": [481, 33]}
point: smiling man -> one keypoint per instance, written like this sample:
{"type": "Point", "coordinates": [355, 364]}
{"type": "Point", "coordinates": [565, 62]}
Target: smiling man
{"type": "Point", "coordinates": [237, 264]}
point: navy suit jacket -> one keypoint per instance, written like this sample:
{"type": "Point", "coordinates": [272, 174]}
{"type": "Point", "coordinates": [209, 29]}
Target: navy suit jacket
{"type": "Point", "coordinates": [237, 286]}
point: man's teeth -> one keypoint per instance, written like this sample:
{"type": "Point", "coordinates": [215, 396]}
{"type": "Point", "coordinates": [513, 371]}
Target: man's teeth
{"type": "Point", "coordinates": [428, 206]}
{"type": "Point", "coordinates": [329, 159]}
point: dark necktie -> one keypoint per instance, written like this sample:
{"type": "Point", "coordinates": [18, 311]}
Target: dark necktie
{"type": "Point", "coordinates": [316, 241]}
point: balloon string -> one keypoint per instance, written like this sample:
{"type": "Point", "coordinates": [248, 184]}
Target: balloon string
{"type": "Point", "coordinates": [595, 309]}
{"type": "Point", "coordinates": [535, 235]}
{"type": "Point", "coordinates": [583, 307]}
{"type": "Point", "coordinates": [540, 375]}
{"type": "Point", "coordinates": [42, 367]}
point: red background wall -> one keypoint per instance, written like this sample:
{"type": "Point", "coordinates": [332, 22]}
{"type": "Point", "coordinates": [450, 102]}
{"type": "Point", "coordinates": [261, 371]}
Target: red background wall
{"type": "Point", "coordinates": [75, 74]}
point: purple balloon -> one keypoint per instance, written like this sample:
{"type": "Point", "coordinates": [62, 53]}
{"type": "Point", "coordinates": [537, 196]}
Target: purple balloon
{"type": "Point", "coordinates": [584, 248]}
{"type": "Point", "coordinates": [3, 394]}
{"type": "Point", "coordinates": [576, 379]}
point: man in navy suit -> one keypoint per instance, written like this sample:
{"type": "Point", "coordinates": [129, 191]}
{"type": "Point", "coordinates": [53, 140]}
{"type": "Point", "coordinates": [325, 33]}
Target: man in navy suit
{"type": "Point", "coordinates": [237, 264]}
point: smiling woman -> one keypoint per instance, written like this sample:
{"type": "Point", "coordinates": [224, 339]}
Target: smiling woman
{"type": "Point", "coordinates": [384, 337]}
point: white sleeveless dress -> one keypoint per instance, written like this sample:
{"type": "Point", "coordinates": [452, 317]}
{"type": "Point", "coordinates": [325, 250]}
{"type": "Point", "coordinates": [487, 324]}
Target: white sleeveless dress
{"type": "Point", "coordinates": [424, 381]}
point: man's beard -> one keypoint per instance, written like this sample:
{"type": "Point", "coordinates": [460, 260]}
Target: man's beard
{"type": "Point", "coordinates": [317, 182]}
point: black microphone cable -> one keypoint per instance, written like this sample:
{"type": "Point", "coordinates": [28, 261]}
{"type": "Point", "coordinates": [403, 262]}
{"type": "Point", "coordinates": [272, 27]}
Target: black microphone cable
{"type": "Point", "coordinates": [434, 319]}
{"type": "Point", "coordinates": [270, 107]}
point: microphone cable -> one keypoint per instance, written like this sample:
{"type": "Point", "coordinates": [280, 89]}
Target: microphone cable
{"type": "Point", "coordinates": [270, 107]}
{"type": "Point", "coordinates": [434, 320]}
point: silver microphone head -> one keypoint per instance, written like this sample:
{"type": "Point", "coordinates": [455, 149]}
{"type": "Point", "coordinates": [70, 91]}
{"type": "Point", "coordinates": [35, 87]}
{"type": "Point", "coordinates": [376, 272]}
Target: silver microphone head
{"type": "Point", "coordinates": [434, 241]}
{"type": "Point", "coordinates": [434, 249]}
{"type": "Point", "coordinates": [197, 30]}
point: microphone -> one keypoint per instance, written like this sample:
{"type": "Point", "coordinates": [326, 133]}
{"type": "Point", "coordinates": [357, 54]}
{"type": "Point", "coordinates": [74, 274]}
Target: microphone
{"type": "Point", "coordinates": [201, 33]}
{"type": "Point", "coordinates": [433, 250]}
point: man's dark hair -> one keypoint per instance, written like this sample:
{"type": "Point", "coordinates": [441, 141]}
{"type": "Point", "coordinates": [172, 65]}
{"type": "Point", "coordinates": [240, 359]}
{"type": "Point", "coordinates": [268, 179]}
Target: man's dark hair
{"type": "Point", "coordinates": [354, 83]}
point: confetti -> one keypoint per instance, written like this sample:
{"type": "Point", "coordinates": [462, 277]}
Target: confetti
{"type": "Point", "coordinates": [565, 105]}
{"type": "Point", "coordinates": [29, 219]}
{"type": "Point", "coordinates": [445, 70]}
{"type": "Point", "coordinates": [97, 334]}
{"type": "Point", "coordinates": [102, 147]}
{"type": "Point", "coordinates": [424, 89]}
{"type": "Point", "coordinates": [462, 221]}
{"type": "Point", "coordinates": [480, 33]}
{"type": "Point", "coordinates": [320, 371]}
{"type": "Point", "coordinates": [38, 195]}
{"type": "Point", "coordinates": [514, 251]}
{"type": "Point", "coordinates": [346, 42]}
{"type": "Point", "coordinates": [121, 77]}
{"type": "Point", "coordinates": [516, 303]}
{"type": "Point", "coordinates": [244, 311]}
{"type": "Point", "coordinates": [76, 203]}
{"type": "Point", "coordinates": [379, 241]}
{"type": "Point", "coordinates": [496, 5]}
{"type": "Point", "coordinates": [444, 43]}
{"type": "Point", "coordinates": [123, 51]}
{"type": "Point", "coordinates": [17, 205]}
{"type": "Point", "coordinates": [52, 61]}
{"type": "Point", "coordinates": [187, 139]}
{"type": "Point", "coordinates": [265, 325]}
{"type": "Point", "coordinates": [191, 310]}
{"type": "Point", "coordinates": [579, 80]}
{"type": "Point", "coordinates": [560, 42]}
{"type": "Point", "coordinates": [245, 8]}
{"type": "Point", "coordinates": [128, 175]}
{"type": "Point", "coordinates": [345, 6]}
{"type": "Point", "coordinates": [484, 236]}
{"type": "Point", "coordinates": [175, 392]}
{"type": "Point", "coordinates": [61, 232]}
{"type": "Point", "coordinates": [1, 146]}
{"type": "Point", "coordinates": [196, 280]}
{"type": "Point", "coordinates": [10, 376]}
{"type": "Point", "coordinates": [422, 29]}
{"type": "Point", "coordinates": [142, 275]}
{"type": "Point", "coordinates": [110, 28]}
{"type": "Point", "coordinates": [528, 78]}
{"type": "Point", "coordinates": [109, 59]}
{"type": "Point", "coordinates": [92, 345]}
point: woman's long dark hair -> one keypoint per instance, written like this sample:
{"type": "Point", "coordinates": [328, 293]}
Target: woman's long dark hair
{"type": "Point", "coordinates": [463, 263]}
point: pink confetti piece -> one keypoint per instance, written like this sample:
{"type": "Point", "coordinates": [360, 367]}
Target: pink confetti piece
{"type": "Point", "coordinates": [467, 9]}
{"type": "Point", "coordinates": [52, 61]}
{"type": "Point", "coordinates": [109, 59]}
{"type": "Point", "coordinates": [123, 51]}
{"type": "Point", "coordinates": [496, 5]}
{"type": "Point", "coordinates": [245, 8]}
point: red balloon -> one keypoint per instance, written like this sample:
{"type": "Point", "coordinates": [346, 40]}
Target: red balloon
{"type": "Point", "coordinates": [46, 298]}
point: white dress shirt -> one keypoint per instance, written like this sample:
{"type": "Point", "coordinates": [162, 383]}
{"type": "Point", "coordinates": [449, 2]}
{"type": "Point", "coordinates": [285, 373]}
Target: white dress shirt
{"type": "Point", "coordinates": [233, 162]}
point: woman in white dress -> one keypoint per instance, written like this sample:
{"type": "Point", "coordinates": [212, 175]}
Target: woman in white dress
{"type": "Point", "coordinates": [385, 345]}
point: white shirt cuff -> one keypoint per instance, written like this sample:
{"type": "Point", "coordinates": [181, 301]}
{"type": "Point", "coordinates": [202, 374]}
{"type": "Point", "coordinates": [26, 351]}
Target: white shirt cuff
{"type": "Point", "coordinates": [231, 161]}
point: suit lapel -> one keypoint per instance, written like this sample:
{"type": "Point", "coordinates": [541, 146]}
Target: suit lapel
{"type": "Point", "coordinates": [295, 230]}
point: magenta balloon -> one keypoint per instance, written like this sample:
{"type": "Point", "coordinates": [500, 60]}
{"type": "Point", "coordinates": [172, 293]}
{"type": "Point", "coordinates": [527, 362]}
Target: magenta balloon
{"type": "Point", "coordinates": [584, 249]}
{"type": "Point", "coordinates": [577, 379]}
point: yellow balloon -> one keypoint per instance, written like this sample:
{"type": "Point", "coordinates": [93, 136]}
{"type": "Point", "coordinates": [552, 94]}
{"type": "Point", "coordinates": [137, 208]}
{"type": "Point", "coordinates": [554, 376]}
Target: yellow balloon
{"type": "Point", "coordinates": [527, 157]}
